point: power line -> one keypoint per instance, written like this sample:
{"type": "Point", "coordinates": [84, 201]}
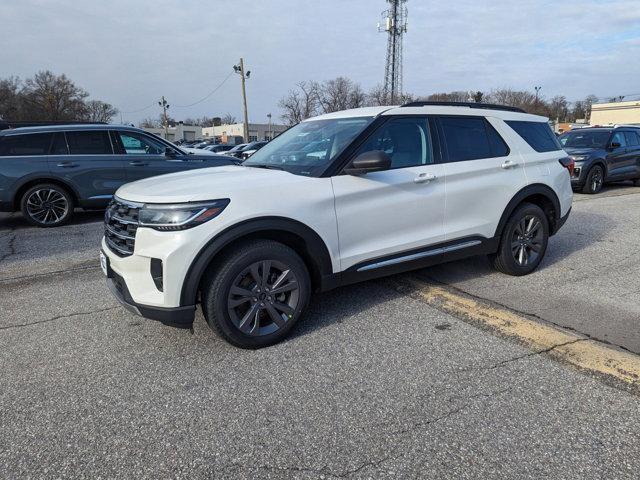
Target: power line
{"type": "Point", "coordinates": [208, 95]}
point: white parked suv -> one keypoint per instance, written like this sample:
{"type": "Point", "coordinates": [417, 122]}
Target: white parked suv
{"type": "Point", "coordinates": [384, 190]}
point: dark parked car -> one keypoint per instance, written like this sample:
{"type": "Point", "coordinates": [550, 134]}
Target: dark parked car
{"type": "Point", "coordinates": [46, 171]}
{"type": "Point", "coordinates": [218, 147]}
{"type": "Point", "coordinates": [603, 154]}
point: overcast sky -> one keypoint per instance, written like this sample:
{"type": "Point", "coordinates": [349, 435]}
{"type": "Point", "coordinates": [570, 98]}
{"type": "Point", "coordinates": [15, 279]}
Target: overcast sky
{"type": "Point", "coordinates": [130, 52]}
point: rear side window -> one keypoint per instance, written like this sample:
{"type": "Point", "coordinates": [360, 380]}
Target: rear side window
{"type": "Point", "coordinates": [537, 134]}
{"type": "Point", "coordinates": [22, 145]}
{"type": "Point", "coordinates": [471, 138]}
{"type": "Point", "coordinates": [632, 139]}
{"type": "Point", "coordinates": [90, 142]}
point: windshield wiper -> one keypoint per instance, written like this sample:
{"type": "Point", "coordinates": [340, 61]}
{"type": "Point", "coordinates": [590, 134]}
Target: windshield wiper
{"type": "Point", "coordinates": [264, 165]}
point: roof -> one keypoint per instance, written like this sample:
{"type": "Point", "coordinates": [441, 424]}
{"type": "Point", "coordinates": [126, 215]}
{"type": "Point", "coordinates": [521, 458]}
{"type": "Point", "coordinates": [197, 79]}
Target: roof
{"type": "Point", "coordinates": [432, 109]}
{"type": "Point", "coordinates": [66, 128]}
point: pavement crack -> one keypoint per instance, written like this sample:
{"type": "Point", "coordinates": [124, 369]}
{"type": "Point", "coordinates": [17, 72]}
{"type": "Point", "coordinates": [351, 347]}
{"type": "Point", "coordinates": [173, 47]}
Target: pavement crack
{"type": "Point", "coordinates": [58, 317]}
{"type": "Point", "coordinates": [90, 266]}
{"type": "Point", "coordinates": [11, 244]}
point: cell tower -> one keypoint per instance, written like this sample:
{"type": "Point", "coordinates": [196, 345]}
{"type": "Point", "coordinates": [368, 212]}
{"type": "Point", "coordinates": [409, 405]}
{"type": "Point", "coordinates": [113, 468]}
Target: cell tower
{"type": "Point", "coordinates": [394, 22]}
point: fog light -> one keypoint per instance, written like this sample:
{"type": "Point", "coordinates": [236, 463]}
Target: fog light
{"type": "Point", "coordinates": [156, 273]}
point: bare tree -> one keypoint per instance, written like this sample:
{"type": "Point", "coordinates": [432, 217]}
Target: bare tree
{"type": "Point", "coordinates": [10, 101]}
{"type": "Point", "coordinates": [588, 102]}
{"type": "Point", "coordinates": [228, 119]}
{"type": "Point", "coordinates": [47, 96]}
{"type": "Point", "coordinates": [558, 108]}
{"type": "Point", "coordinates": [340, 94]}
{"type": "Point", "coordinates": [97, 111]}
{"type": "Point", "coordinates": [457, 96]}
{"type": "Point", "coordinates": [477, 96]}
{"type": "Point", "coordinates": [149, 123]}
{"type": "Point", "coordinates": [300, 103]}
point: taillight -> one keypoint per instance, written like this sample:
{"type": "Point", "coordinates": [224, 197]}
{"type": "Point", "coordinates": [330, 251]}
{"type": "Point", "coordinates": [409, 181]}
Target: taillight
{"type": "Point", "coordinates": [569, 164]}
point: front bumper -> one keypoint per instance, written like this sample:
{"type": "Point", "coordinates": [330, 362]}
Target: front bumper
{"type": "Point", "coordinates": [180, 317]}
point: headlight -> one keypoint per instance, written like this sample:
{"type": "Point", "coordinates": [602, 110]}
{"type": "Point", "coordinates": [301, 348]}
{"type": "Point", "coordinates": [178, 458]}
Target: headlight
{"type": "Point", "coordinates": [179, 216]}
{"type": "Point", "coordinates": [579, 158]}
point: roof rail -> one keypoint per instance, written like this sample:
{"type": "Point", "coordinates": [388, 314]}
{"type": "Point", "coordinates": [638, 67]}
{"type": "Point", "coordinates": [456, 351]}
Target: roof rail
{"type": "Point", "coordinates": [487, 106]}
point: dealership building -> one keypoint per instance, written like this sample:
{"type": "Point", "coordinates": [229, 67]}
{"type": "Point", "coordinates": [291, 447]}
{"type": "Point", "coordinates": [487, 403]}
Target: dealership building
{"type": "Point", "coordinates": [615, 113]}
{"type": "Point", "coordinates": [257, 131]}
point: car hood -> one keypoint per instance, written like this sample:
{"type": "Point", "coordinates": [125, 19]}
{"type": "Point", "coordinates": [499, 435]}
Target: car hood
{"type": "Point", "coordinates": [580, 151]}
{"type": "Point", "coordinates": [207, 184]}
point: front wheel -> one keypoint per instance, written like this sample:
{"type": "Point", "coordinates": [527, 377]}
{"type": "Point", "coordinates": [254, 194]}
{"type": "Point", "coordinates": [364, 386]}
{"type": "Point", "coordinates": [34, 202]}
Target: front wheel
{"type": "Point", "coordinates": [595, 180]}
{"type": "Point", "coordinates": [256, 294]}
{"type": "Point", "coordinates": [524, 241]}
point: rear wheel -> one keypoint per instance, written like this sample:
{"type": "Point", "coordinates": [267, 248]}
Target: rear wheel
{"type": "Point", "coordinates": [595, 180]}
{"type": "Point", "coordinates": [524, 241]}
{"type": "Point", "coordinates": [256, 294]}
{"type": "Point", "coordinates": [47, 205]}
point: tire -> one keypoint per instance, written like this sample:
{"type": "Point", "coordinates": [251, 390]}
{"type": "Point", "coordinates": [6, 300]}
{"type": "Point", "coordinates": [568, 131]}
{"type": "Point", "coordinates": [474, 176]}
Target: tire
{"type": "Point", "coordinates": [236, 299]}
{"type": "Point", "coordinates": [594, 181]}
{"type": "Point", "coordinates": [520, 239]}
{"type": "Point", "coordinates": [47, 205]}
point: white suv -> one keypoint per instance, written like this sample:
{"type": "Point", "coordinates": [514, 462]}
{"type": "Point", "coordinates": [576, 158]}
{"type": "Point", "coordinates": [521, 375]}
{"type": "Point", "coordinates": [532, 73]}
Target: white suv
{"type": "Point", "coordinates": [337, 199]}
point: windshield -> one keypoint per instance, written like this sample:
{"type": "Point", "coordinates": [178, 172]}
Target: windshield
{"type": "Point", "coordinates": [585, 139]}
{"type": "Point", "coordinates": [309, 147]}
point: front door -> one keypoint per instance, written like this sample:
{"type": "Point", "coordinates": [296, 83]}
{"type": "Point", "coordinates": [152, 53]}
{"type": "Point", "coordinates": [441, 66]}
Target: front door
{"type": "Point", "coordinates": [391, 215]}
{"type": "Point", "coordinates": [620, 159]}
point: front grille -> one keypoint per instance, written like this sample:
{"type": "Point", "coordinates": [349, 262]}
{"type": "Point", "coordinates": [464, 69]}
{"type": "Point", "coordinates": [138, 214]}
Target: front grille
{"type": "Point", "coordinates": [120, 226]}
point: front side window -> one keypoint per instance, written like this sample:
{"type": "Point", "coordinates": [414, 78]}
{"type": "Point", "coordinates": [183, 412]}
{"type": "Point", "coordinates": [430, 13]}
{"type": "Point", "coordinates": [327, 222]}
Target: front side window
{"type": "Point", "coordinates": [538, 135]}
{"type": "Point", "coordinates": [618, 138]}
{"type": "Point", "coordinates": [89, 142]}
{"type": "Point", "coordinates": [23, 145]}
{"type": "Point", "coordinates": [632, 139]}
{"type": "Point", "coordinates": [309, 147]}
{"type": "Point", "coordinates": [136, 144]}
{"type": "Point", "coordinates": [405, 140]}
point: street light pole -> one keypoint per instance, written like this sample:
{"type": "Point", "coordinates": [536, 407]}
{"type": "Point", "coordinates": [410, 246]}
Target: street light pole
{"type": "Point", "coordinates": [537, 89]}
{"type": "Point", "coordinates": [239, 69]}
{"type": "Point", "coordinates": [165, 106]}
{"type": "Point", "coordinates": [270, 135]}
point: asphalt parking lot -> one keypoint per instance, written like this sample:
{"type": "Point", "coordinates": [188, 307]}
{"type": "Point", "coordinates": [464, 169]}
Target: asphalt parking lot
{"type": "Point", "coordinates": [374, 382]}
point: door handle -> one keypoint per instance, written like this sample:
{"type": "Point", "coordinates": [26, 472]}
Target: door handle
{"type": "Point", "coordinates": [138, 163]}
{"type": "Point", "coordinates": [424, 178]}
{"type": "Point", "coordinates": [67, 164]}
{"type": "Point", "coordinates": [508, 164]}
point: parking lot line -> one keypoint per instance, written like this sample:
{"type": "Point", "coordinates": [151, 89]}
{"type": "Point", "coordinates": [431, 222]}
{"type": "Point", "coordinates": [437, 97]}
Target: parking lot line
{"type": "Point", "coordinates": [578, 350]}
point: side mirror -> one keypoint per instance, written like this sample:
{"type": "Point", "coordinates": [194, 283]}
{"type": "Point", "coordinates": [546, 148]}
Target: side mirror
{"type": "Point", "coordinates": [372, 161]}
{"type": "Point", "coordinates": [614, 145]}
{"type": "Point", "coordinates": [169, 152]}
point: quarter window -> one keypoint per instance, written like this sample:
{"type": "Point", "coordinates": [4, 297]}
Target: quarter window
{"type": "Point", "coordinates": [23, 145]}
{"type": "Point", "coordinates": [136, 144]}
{"type": "Point", "coordinates": [405, 140]}
{"type": "Point", "coordinates": [537, 134]}
{"type": "Point", "coordinates": [90, 142]}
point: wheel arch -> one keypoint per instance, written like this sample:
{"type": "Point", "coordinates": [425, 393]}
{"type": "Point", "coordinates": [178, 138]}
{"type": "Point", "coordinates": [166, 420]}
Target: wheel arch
{"type": "Point", "coordinates": [28, 183]}
{"type": "Point", "coordinates": [540, 195]}
{"type": "Point", "coordinates": [302, 239]}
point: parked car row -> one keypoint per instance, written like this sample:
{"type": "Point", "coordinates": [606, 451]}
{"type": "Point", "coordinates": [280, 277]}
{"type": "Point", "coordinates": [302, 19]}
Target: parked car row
{"type": "Point", "coordinates": [603, 154]}
{"type": "Point", "coordinates": [47, 171]}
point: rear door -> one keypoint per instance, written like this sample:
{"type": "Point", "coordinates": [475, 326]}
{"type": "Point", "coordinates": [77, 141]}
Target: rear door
{"type": "Point", "coordinates": [85, 159]}
{"type": "Point", "coordinates": [482, 175]}
{"type": "Point", "coordinates": [633, 149]}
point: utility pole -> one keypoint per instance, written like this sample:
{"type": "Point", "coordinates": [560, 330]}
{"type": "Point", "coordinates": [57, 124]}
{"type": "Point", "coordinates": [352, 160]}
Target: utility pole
{"type": "Point", "coordinates": [165, 106]}
{"type": "Point", "coordinates": [270, 135]}
{"type": "Point", "coordinates": [239, 69]}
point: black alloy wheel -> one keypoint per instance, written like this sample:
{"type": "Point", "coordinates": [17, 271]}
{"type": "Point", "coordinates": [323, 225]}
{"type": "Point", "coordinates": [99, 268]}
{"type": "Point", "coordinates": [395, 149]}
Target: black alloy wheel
{"type": "Point", "coordinates": [263, 298]}
{"type": "Point", "coordinates": [255, 293]}
{"type": "Point", "coordinates": [595, 180]}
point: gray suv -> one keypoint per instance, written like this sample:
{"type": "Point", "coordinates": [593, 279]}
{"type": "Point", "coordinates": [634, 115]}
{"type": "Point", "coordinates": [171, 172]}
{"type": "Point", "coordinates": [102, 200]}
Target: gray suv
{"type": "Point", "coordinates": [47, 171]}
